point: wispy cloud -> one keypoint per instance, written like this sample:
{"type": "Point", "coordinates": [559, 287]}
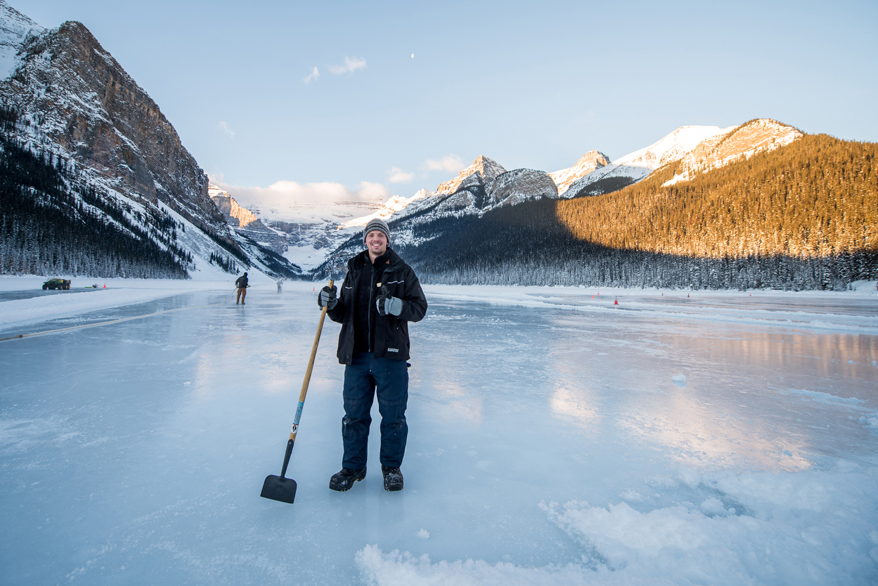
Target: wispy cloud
{"type": "Point", "coordinates": [350, 65]}
{"type": "Point", "coordinates": [448, 163]}
{"type": "Point", "coordinates": [311, 76]}
{"type": "Point", "coordinates": [397, 175]}
{"type": "Point", "coordinates": [226, 129]}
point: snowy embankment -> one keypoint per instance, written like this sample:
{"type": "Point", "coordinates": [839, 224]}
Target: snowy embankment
{"type": "Point", "coordinates": [24, 302]}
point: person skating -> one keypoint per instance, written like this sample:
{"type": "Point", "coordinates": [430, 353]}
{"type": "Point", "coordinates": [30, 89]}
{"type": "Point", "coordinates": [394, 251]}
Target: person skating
{"type": "Point", "coordinates": [242, 285]}
{"type": "Point", "coordinates": [379, 297]}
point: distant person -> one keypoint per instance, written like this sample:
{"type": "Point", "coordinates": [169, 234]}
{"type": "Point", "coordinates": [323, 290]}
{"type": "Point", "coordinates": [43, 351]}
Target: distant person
{"type": "Point", "coordinates": [242, 285]}
{"type": "Point", "coordinates": [379, 297]}
{"type": "Point", "coordinates": [279, 283]}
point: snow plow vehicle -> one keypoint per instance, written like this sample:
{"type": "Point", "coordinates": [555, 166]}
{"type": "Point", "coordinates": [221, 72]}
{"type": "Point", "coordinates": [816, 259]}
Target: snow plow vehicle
{"type": "Point", "coordinates": [56, 284]}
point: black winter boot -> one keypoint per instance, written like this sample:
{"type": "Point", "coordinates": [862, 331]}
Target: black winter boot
{"type": "Point", "coordinates": [392, 478]}
{"type": "Point", "coordinates": [345, 478]}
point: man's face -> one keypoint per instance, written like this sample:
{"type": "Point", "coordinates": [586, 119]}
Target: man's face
{"type": "Point", "coordinates": [376, 243]}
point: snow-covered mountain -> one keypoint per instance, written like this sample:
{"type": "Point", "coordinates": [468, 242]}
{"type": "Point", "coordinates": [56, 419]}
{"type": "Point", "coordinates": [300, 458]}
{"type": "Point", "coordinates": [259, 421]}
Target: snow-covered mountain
{"type": "Point", "coordinates": [14, 29]}
{"type": "Point", "coordinates": [70, 101]}
{"type": "Point", "coordinates": [244, 222]}
{"type": "Point", "coordinates": [74, 102]}
{"type": "Point", "coordinates": [487, 168]}
{"type": "Point", "coordinates": [741, 141]}
{"type": "Point", "coordinates": [307, 230]}
{"type": "Point", "coordinates": [471, 195]}
{"type": "Point", "coordinates": [638, 165]}
{"type": "Point", "coordinates": [590, 162]}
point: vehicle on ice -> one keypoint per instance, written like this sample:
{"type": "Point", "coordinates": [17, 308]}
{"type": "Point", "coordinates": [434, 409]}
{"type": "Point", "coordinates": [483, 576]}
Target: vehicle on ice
{"type": "Point", "coordinates": [56, 284]}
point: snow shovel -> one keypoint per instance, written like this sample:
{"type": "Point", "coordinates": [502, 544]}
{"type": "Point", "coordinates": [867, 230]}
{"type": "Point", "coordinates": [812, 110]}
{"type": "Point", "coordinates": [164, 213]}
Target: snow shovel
{"type": "Point", "coordinates": [279, 488]}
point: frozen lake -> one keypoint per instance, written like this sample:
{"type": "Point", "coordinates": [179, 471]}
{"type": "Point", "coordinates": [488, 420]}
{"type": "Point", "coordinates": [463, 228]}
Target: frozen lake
{"type": "Point", "coordinates": [554, 438]}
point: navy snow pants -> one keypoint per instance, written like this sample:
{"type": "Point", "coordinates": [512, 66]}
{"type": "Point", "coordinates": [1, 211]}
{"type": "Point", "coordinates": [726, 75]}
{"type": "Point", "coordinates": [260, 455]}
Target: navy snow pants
{"type": "Point", "coordinates": [361, 379]}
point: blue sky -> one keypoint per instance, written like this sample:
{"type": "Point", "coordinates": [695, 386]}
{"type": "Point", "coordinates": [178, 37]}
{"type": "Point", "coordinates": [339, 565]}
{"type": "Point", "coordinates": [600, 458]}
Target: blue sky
{"type": "Point", "coordinates": [527, 84]}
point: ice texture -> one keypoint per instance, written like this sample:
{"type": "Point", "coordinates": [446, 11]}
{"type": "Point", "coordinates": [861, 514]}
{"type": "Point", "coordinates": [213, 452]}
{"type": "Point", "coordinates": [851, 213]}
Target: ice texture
{"type": "Point", "coordinates": [552, 439]}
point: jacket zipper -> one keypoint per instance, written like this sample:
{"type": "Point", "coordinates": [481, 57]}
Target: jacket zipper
{"type": "Point", "coordinates": [369, 311]}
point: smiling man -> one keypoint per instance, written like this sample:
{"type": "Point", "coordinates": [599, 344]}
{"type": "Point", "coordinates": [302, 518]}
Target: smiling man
{"type": "Point", "coordinates": [379, 296]}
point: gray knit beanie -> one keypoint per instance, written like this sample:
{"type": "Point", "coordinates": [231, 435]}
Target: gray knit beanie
{"type": "Point", "coordinates": [377, 224]}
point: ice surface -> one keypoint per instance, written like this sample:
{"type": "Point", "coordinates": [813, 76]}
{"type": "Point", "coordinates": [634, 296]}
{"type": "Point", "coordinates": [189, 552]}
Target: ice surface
{"type": "Point", "coordinates": [555, 438]}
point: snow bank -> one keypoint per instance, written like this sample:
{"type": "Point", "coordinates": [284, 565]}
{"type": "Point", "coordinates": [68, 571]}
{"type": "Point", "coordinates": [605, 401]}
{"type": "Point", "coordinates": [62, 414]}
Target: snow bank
{"type": "Point", "coordinates": [813, 527]}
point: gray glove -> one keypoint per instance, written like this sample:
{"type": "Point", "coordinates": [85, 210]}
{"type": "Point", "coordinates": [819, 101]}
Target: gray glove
{"type": "Point", "coordinates": [387, 304]}
{"type": "Point", "coordinates": [327, 297]}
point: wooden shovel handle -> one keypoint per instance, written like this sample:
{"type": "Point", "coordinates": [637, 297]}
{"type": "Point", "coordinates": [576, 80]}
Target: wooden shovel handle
{"type": "Point", "coordinates": [307, 380]}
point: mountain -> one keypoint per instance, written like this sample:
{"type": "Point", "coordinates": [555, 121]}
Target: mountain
{"type": "Point", "coordinates": [485, 185]}
{"type": "Point", "coordinates": [590, 162]}
{"type": "Point", "coordinates": [95, 180]}
{"type": "Point", "coordinates": [486, 168]}
{"type": "Point", "coordinates": [14, 29]}
{"type": "Point", "coordinates": [244, 222]}
{"type": "Point", "coordinates": [760, 205]}
{"type": "Point", "coordinates": [69, 103]}
{"type": "Point", "coordinates": [315, 233]}
{"type": "Point", "coordinates": [309, 229]}
{"type": "Point", "coordinates": [641, 163]}
{"type": "Point", "coordinates": [741, 142]}
{"type": "Point", "coordinates": [797, 216]}
{"type": "Point", "coordinates": [85, 103]}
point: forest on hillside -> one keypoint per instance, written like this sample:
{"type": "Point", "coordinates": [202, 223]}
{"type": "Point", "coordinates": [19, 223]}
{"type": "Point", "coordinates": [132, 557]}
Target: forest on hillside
{"type": "Point", "coordinates": [53, 223]}
{"type": "Point", "coordinates": [800, 217]}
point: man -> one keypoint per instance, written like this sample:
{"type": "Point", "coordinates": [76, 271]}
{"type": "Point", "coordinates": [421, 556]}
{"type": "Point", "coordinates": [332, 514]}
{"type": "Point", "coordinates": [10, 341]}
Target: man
{"type": "Point", "coordinates": [379, 296]}
{"type": "Point", "coordinates": [241, 284]}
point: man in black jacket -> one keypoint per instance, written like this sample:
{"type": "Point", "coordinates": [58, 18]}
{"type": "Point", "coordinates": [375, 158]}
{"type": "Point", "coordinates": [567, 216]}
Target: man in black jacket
{"type": "Point", "coordinates": [379, 296]}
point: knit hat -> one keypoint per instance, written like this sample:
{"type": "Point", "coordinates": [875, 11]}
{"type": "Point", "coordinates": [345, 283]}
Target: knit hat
{"type": "Point", "coordinates": [377, 224]}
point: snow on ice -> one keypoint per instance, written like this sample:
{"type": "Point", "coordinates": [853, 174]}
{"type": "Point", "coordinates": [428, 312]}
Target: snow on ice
{"type": "Point", "coordinates": [555, 438]}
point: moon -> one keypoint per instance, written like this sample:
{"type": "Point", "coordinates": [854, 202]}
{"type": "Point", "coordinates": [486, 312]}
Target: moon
{"type": "Point", "coordinates": [413, 55]}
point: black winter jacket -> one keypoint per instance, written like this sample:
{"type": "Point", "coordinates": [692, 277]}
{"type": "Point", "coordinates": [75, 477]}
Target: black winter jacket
{"type": "Point", "coordinates": [391, 332]}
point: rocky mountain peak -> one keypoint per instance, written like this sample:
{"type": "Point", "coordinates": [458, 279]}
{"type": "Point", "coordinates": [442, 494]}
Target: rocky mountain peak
{"type": "Point", "coordinates": [235, 215]}
{"type": "Point", "coordinates": [487, 168]}
{"type": "Point", "coordinates": [762, 134]}
{"type": "Point", "coordinates": [589, 162]}
{"type": "Point", "coordinates": [79, 98]}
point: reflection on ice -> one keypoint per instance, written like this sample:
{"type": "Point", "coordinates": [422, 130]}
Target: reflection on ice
{"type": "Point", "coordinates": [576, 405]}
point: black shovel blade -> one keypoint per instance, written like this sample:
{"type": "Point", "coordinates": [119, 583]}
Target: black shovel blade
{"type": "Point", "coordinates": [279, 489]}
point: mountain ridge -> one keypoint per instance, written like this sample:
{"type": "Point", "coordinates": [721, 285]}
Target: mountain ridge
{"type": "Point", "coordinates": [73, 106]}
{"type": "Point", "coordinates": [798, 217]}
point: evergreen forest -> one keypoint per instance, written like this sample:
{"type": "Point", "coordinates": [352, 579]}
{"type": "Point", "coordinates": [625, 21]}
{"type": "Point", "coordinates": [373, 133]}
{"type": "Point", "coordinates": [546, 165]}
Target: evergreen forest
{"type": "Point", "coordinates": [52, 222]}
{"type": "Point", "coordinates": [800, 217]}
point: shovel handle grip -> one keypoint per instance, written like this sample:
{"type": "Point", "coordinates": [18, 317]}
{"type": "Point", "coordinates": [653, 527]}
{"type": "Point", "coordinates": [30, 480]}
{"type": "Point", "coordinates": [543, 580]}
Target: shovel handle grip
{"type": "Point", "coordinates": [307, 380]}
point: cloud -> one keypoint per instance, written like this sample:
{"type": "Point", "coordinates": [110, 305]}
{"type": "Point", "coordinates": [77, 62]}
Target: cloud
{"type": "Point", "coordinates": [226, 129]}
{"type": "Point", "coordinates": [397, 175]}
{"type": "Point", "coordinates": [290, 193]}
{"type": "Point", "coordinates": [448, 163]}
{"type": "Point", "coordinates": [311, 76]}
{"type": "Point", "coordinates": [350, 65]}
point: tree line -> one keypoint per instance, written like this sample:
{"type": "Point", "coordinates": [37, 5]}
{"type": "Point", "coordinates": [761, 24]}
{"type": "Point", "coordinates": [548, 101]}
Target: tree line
{"type": "Point", "coordinates": [52, 222]}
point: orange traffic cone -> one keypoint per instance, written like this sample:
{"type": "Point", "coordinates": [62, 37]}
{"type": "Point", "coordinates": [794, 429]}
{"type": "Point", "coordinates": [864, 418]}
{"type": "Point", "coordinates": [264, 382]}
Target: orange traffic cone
{"type": "Point", "coordinates": [616, 302]}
